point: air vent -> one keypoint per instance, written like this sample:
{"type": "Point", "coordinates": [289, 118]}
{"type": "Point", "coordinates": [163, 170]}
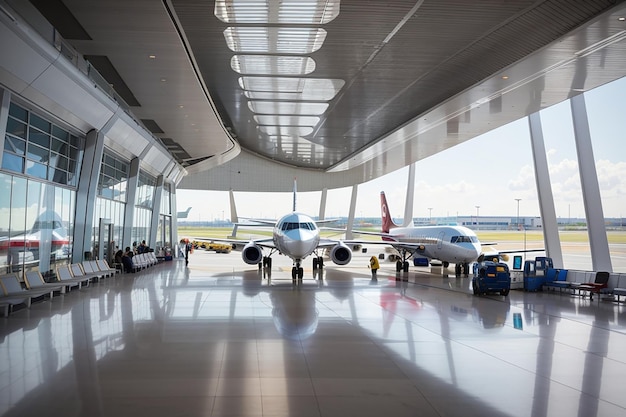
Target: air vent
{"type": "Point", "coordinates": [62, 19]}
{"type": "Point", "coordinates": [152, 126]}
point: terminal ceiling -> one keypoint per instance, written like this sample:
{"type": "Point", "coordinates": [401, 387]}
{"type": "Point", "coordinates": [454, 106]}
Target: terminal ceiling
{"type": "Point", "coordinates": [339, 87]}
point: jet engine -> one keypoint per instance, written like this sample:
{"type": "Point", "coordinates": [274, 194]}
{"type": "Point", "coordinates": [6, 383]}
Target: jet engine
{"type": "Point", "coordinates": [252, 253]}
{"type": "Point", "coordinates": [340, 254]}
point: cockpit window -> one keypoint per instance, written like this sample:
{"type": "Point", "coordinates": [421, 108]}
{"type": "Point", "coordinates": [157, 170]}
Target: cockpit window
{"type": "Point", "coordinates": [292, 226]}
{"type": "Point", "coordinates": [464, 239]}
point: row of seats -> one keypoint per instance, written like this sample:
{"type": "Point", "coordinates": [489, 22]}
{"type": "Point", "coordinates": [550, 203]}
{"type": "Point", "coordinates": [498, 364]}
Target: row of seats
{"type": "Point", "coordinates": [13, 292]}
{"type": "Point", "coordinates": [557, 279]}
{"type": "Point", "coordinates": [143, 260]}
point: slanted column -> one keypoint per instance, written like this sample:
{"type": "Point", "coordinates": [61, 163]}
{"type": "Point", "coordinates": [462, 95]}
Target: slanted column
{"type": "Point", "coordinates": [544, 192]}
{"type": "Point", "coordinates": [5, 103]}
{"type": "Point", "coordinates": [131, 197]}
{"type": "Point", "coordinates": [322, 214]}
{"type": "Point", "coordinates": [594, 214]}
{"type": "Point", "coordinates": [410, 196]}
{"type": "Point", "coordinates": [156, 214]}
{"type": "Point", "coordinates": [86, 194]}
{"type": "Point", "coordinates": [349, 234]}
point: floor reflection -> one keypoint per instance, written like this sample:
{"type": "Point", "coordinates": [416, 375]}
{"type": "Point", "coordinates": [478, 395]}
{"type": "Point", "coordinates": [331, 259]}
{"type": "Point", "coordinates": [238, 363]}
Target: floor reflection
{"type": "Point", "coordinates": [217, 339]}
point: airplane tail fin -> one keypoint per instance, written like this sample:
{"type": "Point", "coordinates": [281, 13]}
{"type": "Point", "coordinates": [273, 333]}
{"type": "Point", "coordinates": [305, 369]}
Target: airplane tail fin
{"type": "Point", "coordinates": [387, 221]}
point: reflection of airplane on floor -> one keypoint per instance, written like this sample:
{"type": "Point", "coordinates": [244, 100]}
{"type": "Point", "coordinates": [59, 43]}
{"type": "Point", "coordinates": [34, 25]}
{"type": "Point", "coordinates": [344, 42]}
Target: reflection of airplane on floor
{"type": "Point", "coordinates": [448, 244]}
{"type": "Point", "coordinates": [297, 236]}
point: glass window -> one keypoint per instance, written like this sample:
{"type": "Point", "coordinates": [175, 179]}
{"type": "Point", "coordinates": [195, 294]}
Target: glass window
{"type": "Point", "coordinates": [37, 153]}
{"type": "Point", "coordinates": [16, 128]}
{"type": "Point", "coordinates": [18, 112]}
{"type": "Point", "coordinates": [12, 163]}
{"type": "Point", "coordinates": [14, 145]}
{"type": "Point", "coordinates": [57, 175]}
{"type": "Point", "coordinates": [37, 170]}
{"type": "Point", "coordinates": [59, 146]}
{"type": "Point", "coordinates": [40, 123]}
{"type": "Point", "coordinates": [60, 133]}
{"type": "Point", "coordinates": [39, 137]}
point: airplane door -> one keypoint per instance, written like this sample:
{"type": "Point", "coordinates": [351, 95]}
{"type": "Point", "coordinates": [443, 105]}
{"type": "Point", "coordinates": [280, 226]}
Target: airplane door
{"type": "Point", "coordinates": [105, 241]}
{"type": "Point", "coordinates": [440, 240]}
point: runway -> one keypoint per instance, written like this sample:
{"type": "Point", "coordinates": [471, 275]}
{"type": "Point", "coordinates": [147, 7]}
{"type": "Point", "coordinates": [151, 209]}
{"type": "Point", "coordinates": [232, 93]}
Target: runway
{"type": "Point", "coordinates": [221, 338]}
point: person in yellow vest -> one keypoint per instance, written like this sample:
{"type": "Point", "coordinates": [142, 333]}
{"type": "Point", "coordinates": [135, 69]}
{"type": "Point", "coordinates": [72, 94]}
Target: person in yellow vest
{"type": "Point", "coordinates": [374, 265]}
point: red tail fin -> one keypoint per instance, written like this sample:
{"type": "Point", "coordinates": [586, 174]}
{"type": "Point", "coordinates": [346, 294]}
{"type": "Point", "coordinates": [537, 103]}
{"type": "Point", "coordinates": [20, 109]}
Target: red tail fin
{"type": "Point", "coordinates": [387, 221]}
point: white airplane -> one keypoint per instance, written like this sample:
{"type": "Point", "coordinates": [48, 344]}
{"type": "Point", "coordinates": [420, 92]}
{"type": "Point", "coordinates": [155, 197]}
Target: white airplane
{"type": "Point", "coordinates": [297, 236]}
{"type": "Point", "coordinates": [449, 244]}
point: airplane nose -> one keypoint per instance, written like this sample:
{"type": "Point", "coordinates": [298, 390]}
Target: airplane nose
{"type": "Point", "coordinates": [300, 246]}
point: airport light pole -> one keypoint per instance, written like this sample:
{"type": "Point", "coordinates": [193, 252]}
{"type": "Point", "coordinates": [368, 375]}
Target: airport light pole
{"type": "Point", "coordinates": [518, 200]}
{"type": "Point", "coordinates": [430, 215]}
{"type": "Point", "coordinates": [477, 208]}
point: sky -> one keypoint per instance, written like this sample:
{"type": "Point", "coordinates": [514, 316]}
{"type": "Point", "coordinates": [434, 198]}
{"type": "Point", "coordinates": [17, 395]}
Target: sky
{"type": "Point", "coordinates": [491, 171]}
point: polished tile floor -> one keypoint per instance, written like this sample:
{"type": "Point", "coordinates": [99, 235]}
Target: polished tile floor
{"type": "Point", "coordinates": [220, 338]}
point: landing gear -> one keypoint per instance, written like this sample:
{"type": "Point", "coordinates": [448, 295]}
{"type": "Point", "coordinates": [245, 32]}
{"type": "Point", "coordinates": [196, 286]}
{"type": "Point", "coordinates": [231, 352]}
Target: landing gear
{"type": "Point", "coordinates": [318, 262]}
{"type": "Point", "coordinates": [297, 272]}
{"type": "Point", "coordinates": [461, 268]}
{"type": "Point", "coordinates": [402, 264]}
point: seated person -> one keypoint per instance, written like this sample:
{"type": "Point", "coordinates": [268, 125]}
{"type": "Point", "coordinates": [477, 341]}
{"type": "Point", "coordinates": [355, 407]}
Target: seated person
{"type": "Point", "coordinates": [127, 260]}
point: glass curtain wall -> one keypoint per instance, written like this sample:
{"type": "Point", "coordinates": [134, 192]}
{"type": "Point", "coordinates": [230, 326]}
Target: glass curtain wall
{"type": "Point", "coordinates": [110, 204]}
{"type": "Point", "coordinates": [144, 203]}
{"type": "Point", "coordinates": [38, 179]}
{"type": "Point", "coordinates": [164, 230]}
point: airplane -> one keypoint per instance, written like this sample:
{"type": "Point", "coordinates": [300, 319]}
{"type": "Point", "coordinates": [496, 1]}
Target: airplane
{"type": "Point", "coordinates": [449, 244]}
{"type": "Point", "coordinates": [297, 236]}
{"type": "Point", "coordinates": [183, 214]}
{"type": "Point", "coordinates": [47, 233]}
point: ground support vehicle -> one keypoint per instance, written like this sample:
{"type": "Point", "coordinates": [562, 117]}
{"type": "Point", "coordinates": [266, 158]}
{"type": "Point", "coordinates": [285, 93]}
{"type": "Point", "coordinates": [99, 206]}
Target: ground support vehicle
{"type": "Point", "coordinates": [491, 277]}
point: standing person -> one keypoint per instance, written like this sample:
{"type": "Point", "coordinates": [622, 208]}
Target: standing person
{"type": "Point", "coordinates": [187, 250]}
{"type": "Point", "coordinates": [374, 265]}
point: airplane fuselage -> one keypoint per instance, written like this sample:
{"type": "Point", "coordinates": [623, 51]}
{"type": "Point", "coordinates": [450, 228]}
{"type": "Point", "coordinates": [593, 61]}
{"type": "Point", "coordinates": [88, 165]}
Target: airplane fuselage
{"type": "Point", "coordinates": [454, 244]}
{"type": "Point", "coordinates": [296, 235]}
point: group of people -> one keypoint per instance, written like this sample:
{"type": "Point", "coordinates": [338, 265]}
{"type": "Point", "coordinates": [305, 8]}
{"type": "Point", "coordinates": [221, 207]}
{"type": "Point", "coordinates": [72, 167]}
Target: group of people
{"type": "Point", "coordinates": [125, 257]}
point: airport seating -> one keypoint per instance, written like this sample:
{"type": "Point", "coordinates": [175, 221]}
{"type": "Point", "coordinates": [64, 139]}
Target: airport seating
{"type": "Point", "coordinates": [103, 266]}
{"type": "Point", "coordinates": [557, 279]}
{"type": "Point", "coordinates": [34, 280]}
{"type": "Point", "coordinates": [78, 271]}
{"type": "Point", "coordinates": [64, 275]}
{"type": "Point", "coordinates": [618, 292]}
{"type": "Point", "coordinates": [14, 294]}
{"type": "Point", "coordinates": [601, 281]}
{"type": "Point", "coordinates": [91, 268]}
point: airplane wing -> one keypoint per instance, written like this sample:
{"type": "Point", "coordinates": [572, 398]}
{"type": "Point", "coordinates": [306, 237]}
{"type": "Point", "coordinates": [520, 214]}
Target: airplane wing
{"type": "Point", "coordinates": [239, 244]}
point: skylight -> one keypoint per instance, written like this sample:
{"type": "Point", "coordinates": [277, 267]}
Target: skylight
{"type": "Point", "coordinates": [311, 12]}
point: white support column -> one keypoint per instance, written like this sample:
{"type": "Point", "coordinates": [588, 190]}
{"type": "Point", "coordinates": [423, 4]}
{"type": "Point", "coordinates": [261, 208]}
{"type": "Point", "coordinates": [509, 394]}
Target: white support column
{"type": "Point", "coordinates": [86, 194]}
{"type": "Point", "coordinates": [598, 241]}
{"type": "Point", "coordinates": [5, 104]}
{"type": "Point", "coordinates": [350, 225]}
{"type": "Point", "coordinates": [175, 239]}
{"type": "Point", "coordinates": [156, 215]}
{"type": "Point", "coordinates": [131, 196]}
{"type": "Point", "coordinates": [322, 214]}
{"type": "Point", "coordinates": [544, 192]}
{"type": "Point", "coordinates": [410, 196]}
{"type": "Point", "coordinates": [234, 218]}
